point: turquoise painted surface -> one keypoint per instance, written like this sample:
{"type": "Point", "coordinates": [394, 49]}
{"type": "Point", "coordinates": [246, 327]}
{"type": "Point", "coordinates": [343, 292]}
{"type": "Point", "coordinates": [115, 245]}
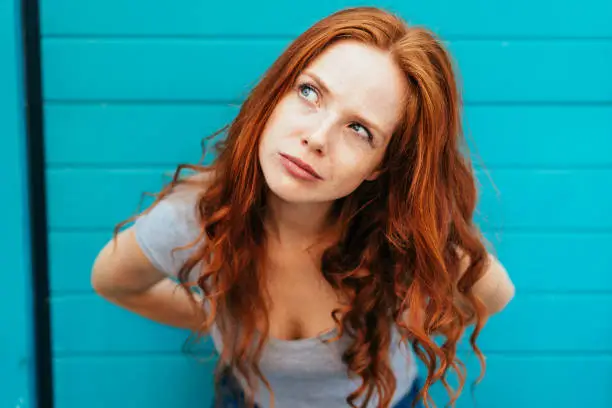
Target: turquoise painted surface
{"type": "Point", "coordinates": [131, 87]}
{"type": "Point", "coordinates": [16, 351]}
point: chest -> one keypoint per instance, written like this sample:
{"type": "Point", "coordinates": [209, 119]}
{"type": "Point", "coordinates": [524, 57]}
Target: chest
{"type": "Point", "coordinates": [301, 300]}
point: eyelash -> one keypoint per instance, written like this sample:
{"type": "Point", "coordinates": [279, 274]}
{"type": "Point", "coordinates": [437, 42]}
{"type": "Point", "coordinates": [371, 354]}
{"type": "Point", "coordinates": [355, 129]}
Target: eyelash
{"type": "Point", "coordinates": [305, 85]}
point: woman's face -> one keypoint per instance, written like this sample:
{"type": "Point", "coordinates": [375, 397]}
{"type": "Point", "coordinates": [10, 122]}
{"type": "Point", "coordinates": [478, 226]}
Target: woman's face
{"type": "Point", "coordinates": [337, 119]}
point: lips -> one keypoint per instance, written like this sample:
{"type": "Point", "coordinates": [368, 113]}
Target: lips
{"type": "Point", "coordinates": [303, 165]}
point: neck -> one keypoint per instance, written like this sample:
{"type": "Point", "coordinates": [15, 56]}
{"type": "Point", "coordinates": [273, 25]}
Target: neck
{"type": "Point", "coordinates": [296, 224]}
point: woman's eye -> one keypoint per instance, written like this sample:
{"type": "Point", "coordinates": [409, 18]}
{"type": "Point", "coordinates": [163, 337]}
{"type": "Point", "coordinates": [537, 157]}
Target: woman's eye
{"type": "Point", "coordinates": [309, 93]}
{"type": "Point", "coordinates": [362, 131]}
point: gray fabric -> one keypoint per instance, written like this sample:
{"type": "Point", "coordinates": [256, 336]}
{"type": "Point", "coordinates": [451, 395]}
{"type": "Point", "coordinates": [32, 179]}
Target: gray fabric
{"type": "Point", "coordinates": [170, 224]}
{"type": "Point", "coordinates": [303, 373]}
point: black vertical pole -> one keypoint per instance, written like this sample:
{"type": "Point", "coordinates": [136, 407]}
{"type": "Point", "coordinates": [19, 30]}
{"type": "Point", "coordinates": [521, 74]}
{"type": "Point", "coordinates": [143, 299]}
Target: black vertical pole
{"type": "Point", "coordinates": [37, 202]}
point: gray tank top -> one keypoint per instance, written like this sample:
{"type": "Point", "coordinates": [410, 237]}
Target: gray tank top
{"type": "Point", "coordinates": [303, 373]}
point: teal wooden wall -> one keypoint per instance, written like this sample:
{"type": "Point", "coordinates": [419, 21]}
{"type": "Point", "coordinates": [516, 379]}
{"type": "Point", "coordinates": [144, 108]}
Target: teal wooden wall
{"type": "Point", "coordinates": [130, 87]}
{"type": "Point", "coordinates": [16, 346]}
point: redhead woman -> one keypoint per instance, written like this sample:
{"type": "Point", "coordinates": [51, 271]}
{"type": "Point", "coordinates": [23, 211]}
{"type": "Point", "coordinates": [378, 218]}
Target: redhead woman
{"type": "Point", "coordinates": [332, 238]}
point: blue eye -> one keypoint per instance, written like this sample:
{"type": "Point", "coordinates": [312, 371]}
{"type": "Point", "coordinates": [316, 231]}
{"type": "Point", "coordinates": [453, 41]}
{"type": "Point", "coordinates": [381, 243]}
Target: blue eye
{"type": "Point", "coordinates": [365, 133]}
{"type": "Point", "coordinates": [309, 93]}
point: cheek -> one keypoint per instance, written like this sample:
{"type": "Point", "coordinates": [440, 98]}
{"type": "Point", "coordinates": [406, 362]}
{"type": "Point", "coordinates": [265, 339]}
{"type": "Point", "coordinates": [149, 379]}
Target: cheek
{"type": "Point", "coordinates": [271, 133]}
{"type": "Point", "coordinates": [346, 180]}
{"type": "Point", "coordinates": [350, 170]}
{"type": "Point", "coordinates": [277, 128]}
{"type": "Point", "coordinates": [355, 161]}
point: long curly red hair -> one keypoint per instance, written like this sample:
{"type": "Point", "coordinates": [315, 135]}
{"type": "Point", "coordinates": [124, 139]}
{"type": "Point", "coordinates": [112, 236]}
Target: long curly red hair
{"type": "Point", "coordinates": [398, 259]}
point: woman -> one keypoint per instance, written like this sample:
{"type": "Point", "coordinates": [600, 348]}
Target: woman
{"type": "Point", "coordinates": [333, 237]}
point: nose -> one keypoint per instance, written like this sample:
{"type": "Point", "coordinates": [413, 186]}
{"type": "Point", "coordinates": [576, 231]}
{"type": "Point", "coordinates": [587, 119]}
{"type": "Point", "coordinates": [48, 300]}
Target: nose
{"type": "Point", "coordinates": [317, 139]}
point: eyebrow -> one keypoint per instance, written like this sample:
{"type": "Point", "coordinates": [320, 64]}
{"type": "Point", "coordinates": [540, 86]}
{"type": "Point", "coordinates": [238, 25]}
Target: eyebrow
{"type": "Point", "coordinates": [326, 90]}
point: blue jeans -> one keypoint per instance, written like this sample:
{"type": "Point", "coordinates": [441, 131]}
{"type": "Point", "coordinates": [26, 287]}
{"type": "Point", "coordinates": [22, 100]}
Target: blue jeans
{"type": "Point", "coordinates": [413, 394]}
{"type": "Point", "coordinates": [228, 394]}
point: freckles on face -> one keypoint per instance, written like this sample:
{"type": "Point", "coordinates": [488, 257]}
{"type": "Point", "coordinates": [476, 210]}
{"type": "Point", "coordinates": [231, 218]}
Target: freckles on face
{"type": "Point", "coordinates": [338, 118]}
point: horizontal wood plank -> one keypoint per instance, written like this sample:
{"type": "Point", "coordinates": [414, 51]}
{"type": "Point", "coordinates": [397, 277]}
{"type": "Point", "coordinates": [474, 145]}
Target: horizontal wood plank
{"type": "Point", "coordinates": [471, 18]}
{"type": "Point", "coordinates": [104, 134]}
{"type": "Point", "coordinates": [212, 69]}
{"type": "Point", "coordinates": [152, 381]}
{"type": "Point", "coordinates": [112, 195]}
{"type": "Point", "coordinates": [554, 200]}
{"type": "Point", "coordinates": [549, 262]}
{"type": "Point", "coordinates": [98, 320]}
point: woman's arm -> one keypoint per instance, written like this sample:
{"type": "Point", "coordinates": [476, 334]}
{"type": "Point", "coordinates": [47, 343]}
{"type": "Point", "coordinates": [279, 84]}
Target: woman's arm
{"type": "Point", "coordinates": [139, 271]}
{"type": "Point", "coordinates": [495, 288]}
{"type": "Point", "coordinates": [123, 275]}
